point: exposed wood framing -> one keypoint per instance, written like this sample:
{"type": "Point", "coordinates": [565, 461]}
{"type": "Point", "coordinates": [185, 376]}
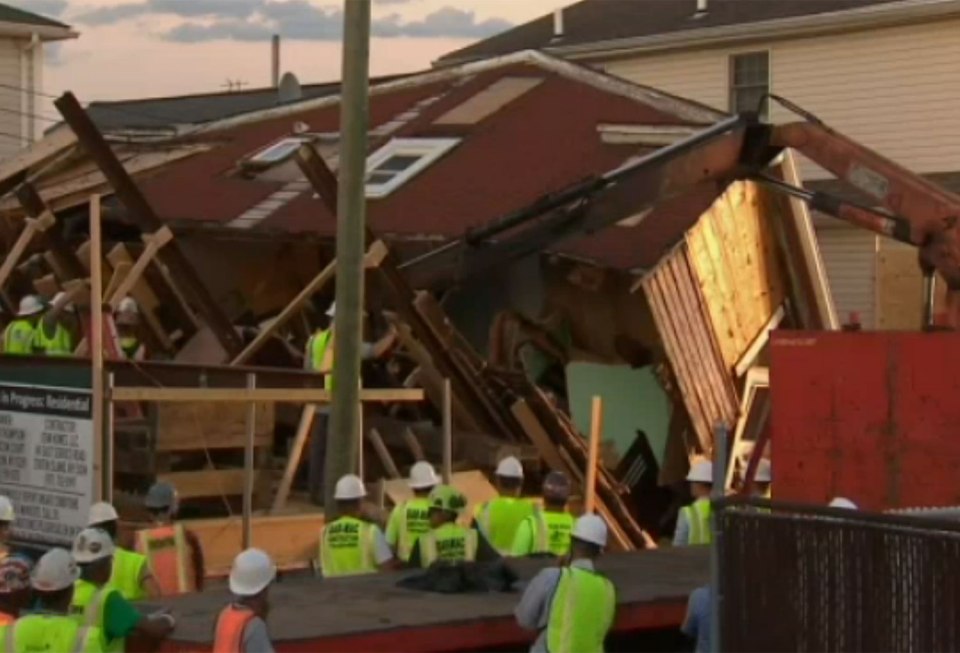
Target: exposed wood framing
{"type": "Point", "coordinates": [293, 458]}
{"type": "Point", "coordinates": [373, 435]}
{"type": "Point", "coordinates": [32, 228]}
{"type": "Point", "coordinates": [154, 242]}
{"type": "Point", "coordinates": [132, 198]}
{"type": "Point", "coordinates": [64, 260]}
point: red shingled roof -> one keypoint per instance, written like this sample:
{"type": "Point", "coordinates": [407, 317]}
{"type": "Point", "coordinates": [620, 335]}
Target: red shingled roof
{"type": "Point", "coordinates": [536, 144]}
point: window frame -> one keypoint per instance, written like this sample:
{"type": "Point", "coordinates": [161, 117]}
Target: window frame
{"type": "Point", "coordinates": [428, 150]}
{"type": "Point", "coordinates": [733, 88]}
{"type": "Point", "coordinates": [250, 161]}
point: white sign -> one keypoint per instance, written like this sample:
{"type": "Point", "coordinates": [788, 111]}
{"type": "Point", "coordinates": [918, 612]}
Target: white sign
{"type": "Point", "coordinates": [46, 460]}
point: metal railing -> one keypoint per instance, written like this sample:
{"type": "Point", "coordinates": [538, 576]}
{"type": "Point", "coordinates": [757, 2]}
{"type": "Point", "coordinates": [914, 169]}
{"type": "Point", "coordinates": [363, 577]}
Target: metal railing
{"type": "Point", "coordinates": [803, 578]}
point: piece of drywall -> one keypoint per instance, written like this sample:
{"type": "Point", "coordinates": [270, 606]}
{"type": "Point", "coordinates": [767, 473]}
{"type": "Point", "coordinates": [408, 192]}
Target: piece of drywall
{"type": "Point", "coordinates": [633, 400]}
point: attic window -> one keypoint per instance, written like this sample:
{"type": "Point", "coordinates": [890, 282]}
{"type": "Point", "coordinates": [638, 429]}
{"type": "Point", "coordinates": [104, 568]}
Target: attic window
{"type": "Point", "coordinates": [400, 160]}
{"type": "Point", "coordinates": [277, 152]}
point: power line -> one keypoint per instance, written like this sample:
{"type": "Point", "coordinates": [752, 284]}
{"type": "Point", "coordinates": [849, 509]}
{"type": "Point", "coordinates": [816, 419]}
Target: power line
{"type": "Point", "coordinates": [37, 116]}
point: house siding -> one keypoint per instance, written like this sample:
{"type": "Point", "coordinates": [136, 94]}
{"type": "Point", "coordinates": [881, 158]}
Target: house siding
{"type": "Point", "coordinates": [851, 258]}
{"type": "Point", "coordinates": [11, 100]}
{"type": "Point", "coordinates": [895, 89]}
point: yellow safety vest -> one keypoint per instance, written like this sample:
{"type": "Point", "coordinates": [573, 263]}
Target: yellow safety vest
{"type": "Point", "coordinates": [499, 520]}
{"type": "Point", "coordinates": [316, 351]}
{"type": "Point", "coordinates": [131, 347]}
{"type": "Point", "coordinates": [449, 543]}
{"type": "Point", "coordinates": [126, 573]}
{"type": "Point", "coordinates": [347, 547]}
{"type": "Point", "coordinates": [698, 517]}
{"type": "Point", "coordinates": [88, 604]}
{"type": "Point", "coordinates": [414, 521]}
{"type": "Point", "coordinates": [61, 344]}
{"type": "Point", "coordinates": [551, 531]}
{"type": "Point", "coordinates": [581, 612]}
{"type": "Point", "coordinates": [49, 633]}
{"type": "Point", "coordinates": [18, 338]}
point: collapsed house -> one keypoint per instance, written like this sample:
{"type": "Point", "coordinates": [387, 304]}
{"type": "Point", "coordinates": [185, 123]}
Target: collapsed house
{"type": "Point", "coordinates": [476, 177]}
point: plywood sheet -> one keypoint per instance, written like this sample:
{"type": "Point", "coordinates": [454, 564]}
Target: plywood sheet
{"type": "Point", "coordinates": [472, 483]}
{"type": "Point", "coordinates": [900, 288]}
{"type": "Point", "coordinates": [734, 254]}
{"type": "Point", "coordinates": [214, 425]}
{"type": "Point", "coordinates": [632, 400]}
{"type": "Point", "coordinates": [207, 482]}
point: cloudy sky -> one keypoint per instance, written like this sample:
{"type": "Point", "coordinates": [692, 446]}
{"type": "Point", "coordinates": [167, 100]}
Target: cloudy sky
{"type": "Point", "coordinates": [140, 48]}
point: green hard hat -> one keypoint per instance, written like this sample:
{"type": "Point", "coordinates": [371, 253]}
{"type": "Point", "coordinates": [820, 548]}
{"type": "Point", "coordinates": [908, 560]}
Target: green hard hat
{"type": "Point", "coordinates": [445, 497]}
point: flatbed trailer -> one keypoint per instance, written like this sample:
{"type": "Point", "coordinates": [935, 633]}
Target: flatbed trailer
{"type": "Point", "coordinates": [370, 613]}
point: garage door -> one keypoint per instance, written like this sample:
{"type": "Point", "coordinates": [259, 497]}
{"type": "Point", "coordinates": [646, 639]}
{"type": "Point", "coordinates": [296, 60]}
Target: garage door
{"type": "Point", "coordinates": [850, 256]}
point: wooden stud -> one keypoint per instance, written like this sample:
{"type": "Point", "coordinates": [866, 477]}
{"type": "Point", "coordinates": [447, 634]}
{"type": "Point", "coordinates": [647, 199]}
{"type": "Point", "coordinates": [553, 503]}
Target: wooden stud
{"type": "Point", "coordinates": [383, 453]}
{"type": "Point", "coordinates": [251, 433]}
{"type": "Point", "coordinates": [293, 458]}
{"type": "Point", "coordinates": [96, 342]}
{"type": "Point", "coordinates": [413, 444]}
{"type": "Point", "coordinates": [447, 471]}
{"type": "Point", "coordinates": [31, 229]}
{"type": "Point", "coordinates": [240, 395]}
{"type": "Point", "coordinates": [596, 431]}
{"type": "Point", "coordinates": [154, 242]}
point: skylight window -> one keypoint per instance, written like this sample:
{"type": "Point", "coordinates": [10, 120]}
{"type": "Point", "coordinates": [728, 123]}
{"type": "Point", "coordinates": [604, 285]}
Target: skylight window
{"type": "Point", "coordinates": [277, 152]}
{"type": "Point", "coordinates": [400, 160]}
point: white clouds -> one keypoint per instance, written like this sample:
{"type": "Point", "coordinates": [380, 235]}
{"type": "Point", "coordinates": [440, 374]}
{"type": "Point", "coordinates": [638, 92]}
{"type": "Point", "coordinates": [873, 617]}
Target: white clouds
{"type": "Point", "coordinates": [257, 20]}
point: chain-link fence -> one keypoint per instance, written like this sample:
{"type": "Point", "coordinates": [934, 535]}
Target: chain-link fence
{"type": "Point", "coordinates": [802, 578]}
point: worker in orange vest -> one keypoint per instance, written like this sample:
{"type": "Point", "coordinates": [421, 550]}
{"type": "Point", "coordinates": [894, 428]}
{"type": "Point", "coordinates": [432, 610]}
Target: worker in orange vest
{"type": "Point", "coordinates": [14, 588]}
{"type": "Point", "coordinates": [241, 626]}
{"type": "Point", "coordinates": [173, 552]}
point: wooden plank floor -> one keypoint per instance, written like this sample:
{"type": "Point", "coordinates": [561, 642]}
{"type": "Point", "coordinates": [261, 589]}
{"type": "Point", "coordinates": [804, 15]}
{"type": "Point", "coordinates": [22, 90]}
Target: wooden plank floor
{"type": "Point", "coordinates": [309, 609]}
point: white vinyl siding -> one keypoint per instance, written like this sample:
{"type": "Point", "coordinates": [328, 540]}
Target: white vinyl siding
{"type": "Point", "coordinates": [850, 258]}
{"type": "Point", "coordinates": [11, 103]}
{"type": "Point", "coordinates": [897, 90]}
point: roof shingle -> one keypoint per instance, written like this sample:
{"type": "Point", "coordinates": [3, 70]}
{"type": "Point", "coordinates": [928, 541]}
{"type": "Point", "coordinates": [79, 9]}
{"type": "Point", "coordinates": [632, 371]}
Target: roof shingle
{"type": "Point", "coordinates": [10, 14]}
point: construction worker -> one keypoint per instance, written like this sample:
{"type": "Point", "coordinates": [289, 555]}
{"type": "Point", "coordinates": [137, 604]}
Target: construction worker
{"type": "Point", "coordinates": [173, 552]}
{"type": "Point", "coordinates": [498, 519]}
{"type": "Point", "coordinates": [762, 479]}
{"type": "Point", "coordinates": [14, 588]}
{"type": "Point", "coordinates": [842, 502]}
{"type": "Point", "coordinates": [54, 334]}
{"type": "Point", "coordinates": [50, 626]}
{"type": "Point", "coordinates": [349, 545]}
{"type": "Point", "coordinates": [547, 530]}
{"type": "Point", "coordinates": [101, 605]}
{"type": "Point", "coordinates": [693, 521]}
{"type": "Point", "coordinates": [446, 540]}
{"type": "Point", "coordinates": [6, 525]}
{"type": "Point", "coordinates": [18, 337]}
{"type": "Point", "coordinates": [410, 519]}
{"type": "Point", "coordinates": [127, 320]}
{"type": "Point", "coordinates": [573, 606]}
{"type": "Point", "coordinates": [131, 570]}
{"type": "Point", "coordinates": [241, 626]}
{"type": "Point", "coordinates": [318, 357]}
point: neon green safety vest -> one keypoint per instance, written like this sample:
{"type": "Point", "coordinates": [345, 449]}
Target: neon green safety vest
{"type": "Point", "coordinates": [449, 543]}
{"type": "Point", "coordinates": [127, 571]}
{"type": "Point", "coordinates": [414, 521]}
{"type": "Point", "coordinates": [698, 517]}
{"type": "Point", "coordinates": [581, 612]}
{"type": "Point", "coordinates": [551, 531]}
{"type": "Point", "coordinates": [61, 344]}
{"type": "Point", "coordinates": [347, 547]}
{"type": "Point", "coordinates": [130, 346]}
{"type": "Point", "coordinates": [316, 350]}
{"type": "Point", "coordinates": [499, 520]}
{"type": "Point", "coordinates": [18, 338]}
{"type": "Point", "coordinates": [49, 633]}
{"type": "Point", "coordinates": [89, 602]}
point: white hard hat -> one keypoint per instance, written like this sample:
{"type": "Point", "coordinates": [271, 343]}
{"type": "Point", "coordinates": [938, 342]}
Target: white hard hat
{"type": "Point", "coordinates": [252, 571]}
{"type": "Point", "coordinates": [701, 472]}
{"type": "Point", "coordinates": [841, 502]}
{"type": "Point", "coordinates": [422, 476]}
{"type": "Point", "coordinates": [763, 474]}
{"type": "Point", "coordinates": [92, 544]}
{"type": "Point", "coordinates": [6, 509]}
{"type": "Point", "coordinates": [30, 305]}
{"type": "Point", "coordinates": [332, 310]}
{"type": "Point", "coordinates": [128, 305]}
{"type": "Point", "coordinates": [101, 512]}
{"type": "Point", "coordinates": [510, 467]}
{"type": "Point", "coordinates": [591, 528]}
{"type": "Point", "coordinates": [349, 487]}
{"type": "Point", "coordinates": [56, 570]}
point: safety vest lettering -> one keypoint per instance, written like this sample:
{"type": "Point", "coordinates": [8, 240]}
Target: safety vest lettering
{"type": "Point", "coordinates": [454, 548]}
{"type": "Point", "coordinates": [343, 535]}
{"type": "Point", "coordinates": [162, 543]}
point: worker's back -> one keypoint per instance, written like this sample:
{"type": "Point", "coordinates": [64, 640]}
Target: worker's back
{"type": "Point", "coordinates": [499, 519]}
{"type": "Point", "coordinates": [166, 549]}
{"type": "Point", "coordinates": [18, 337]}
{"type": "Point", "coordinates": [581, 612]}
{"type": "Point", "coordinates": [347, 547]}
{"type": "Point", "coordinates": [49, 633]}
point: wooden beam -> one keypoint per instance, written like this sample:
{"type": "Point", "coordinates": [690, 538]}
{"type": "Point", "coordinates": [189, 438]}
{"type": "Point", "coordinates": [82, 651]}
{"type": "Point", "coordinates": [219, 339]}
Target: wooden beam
{"type": "Point", "coordinates": [65, 259]}
{"type": "Point", "coordinates": [383, 453]}
{"type": "Point", "coordinates": [206, 482]}
{"type": "Point", "coordinates": [132, 198]}
{"type": "Point", "coordinates": [96, 342]}
{"type": "Point", "coordinates": [596, 432]}
{"type": "Point", "coordinates": [293, 458]}
{"type": "Point", "coordinates": [413, 444]}
{"type": "Point", "coordinates": [31, 229]}
{"type": "Point", "coordinates": [51, 145]}
{"type": "Point", "coordinates": [240, 395]}
{"type": "Point", "coordinates": [447, 468]}
{"type": "Point", "coordinates": [538, 436]}
{"type": "Point", "coordinates": [154, 242]}
{"type": "Point", "coordinates": [119, 273]}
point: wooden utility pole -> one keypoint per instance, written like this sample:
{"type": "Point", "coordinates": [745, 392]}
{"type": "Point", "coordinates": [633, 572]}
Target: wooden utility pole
{"type": "Point", "coordinates": [142, 213]}
{"type": "Point", "coordinates": [343, 436]}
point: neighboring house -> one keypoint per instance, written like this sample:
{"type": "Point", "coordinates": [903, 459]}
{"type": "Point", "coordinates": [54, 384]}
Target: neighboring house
{"type": "Point", "coordinates": [694, 282]}
{"type": "Point", "coordinates": [22, 38]}
{"type": "Point", "coordinates": [884, 72]}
